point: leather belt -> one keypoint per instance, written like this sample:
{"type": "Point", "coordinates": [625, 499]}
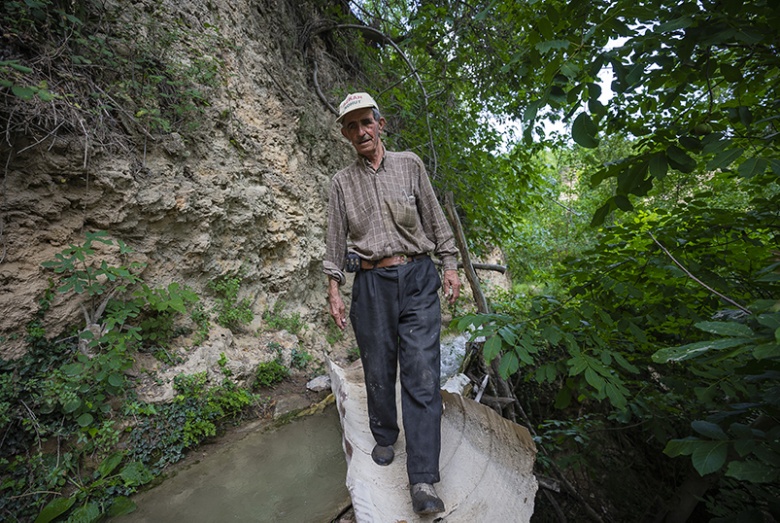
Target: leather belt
{"type": "Point", "coordinates": [391, 261]}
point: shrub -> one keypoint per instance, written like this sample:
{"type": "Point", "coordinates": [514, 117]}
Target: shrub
{"type": "Point", "coordinates": [270, 373]}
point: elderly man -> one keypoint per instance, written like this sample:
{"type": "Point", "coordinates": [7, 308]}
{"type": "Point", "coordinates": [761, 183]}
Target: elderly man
{"type": "Point", "coordinates": [383, 222]}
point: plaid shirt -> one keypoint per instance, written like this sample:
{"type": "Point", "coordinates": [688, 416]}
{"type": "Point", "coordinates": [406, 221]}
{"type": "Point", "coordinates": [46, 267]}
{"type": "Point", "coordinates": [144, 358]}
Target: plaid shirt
{"type": "Point", "coordinates": [392, 210]}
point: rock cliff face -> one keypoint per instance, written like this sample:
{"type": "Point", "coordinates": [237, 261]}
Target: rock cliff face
{"type": "Point", "coordinates": [249, 189]}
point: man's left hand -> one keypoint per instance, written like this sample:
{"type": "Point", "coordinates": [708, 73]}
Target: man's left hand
{"type": "Point", "coordinates": [451, 286]}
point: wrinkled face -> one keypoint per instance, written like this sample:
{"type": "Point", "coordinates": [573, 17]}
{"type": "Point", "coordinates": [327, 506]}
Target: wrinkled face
{"type": "Point", "coordinates": [360, 128]}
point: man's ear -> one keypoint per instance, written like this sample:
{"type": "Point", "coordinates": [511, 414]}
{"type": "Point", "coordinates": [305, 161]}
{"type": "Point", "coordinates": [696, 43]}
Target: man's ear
{"type": "Point", "coordinates": [344, 133]}
{"type": "Point", "coordinates": [382, 123]}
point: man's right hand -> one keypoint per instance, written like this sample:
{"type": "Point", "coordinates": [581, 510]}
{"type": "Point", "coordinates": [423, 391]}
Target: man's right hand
{"type": "Point", "coordinates": [337, 309]}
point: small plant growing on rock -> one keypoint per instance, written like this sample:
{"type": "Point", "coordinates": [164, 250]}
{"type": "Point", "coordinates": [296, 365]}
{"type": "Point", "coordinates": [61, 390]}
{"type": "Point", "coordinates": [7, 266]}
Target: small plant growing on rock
{"type": "Point", "coordinates": [231, 312]}
{"type": "Point", "coordinates": [353, 354]}
{"type": "Point", "coordinates": [299, 358]}
{"type": "Point", "coordinates": [270, 373]}
{"type": "Point", "coordinates": [277, 320]}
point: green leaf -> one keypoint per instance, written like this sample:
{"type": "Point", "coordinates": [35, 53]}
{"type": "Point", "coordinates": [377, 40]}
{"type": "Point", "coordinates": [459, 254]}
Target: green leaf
{"type": "Point", "coordinates": [745, 115]}
{"type": "Point", "coordinates": [508, 365]}
{"type": "Point", "coordinates": [753, 471]}
{"type": "Point", "coordinates": [623, 203]}
{"type": "Point", "coordinates": [135, 474]}
{"type": "Point", "coordinates": [549, 45]}
{"type": "Point", "coordinates": [674, 25]}
{"type": "Point", "coordinates": [709, 456]}
{"type": "Point", "coordinates": [752, 167]}
{"type": "Point", "coordinates": [108, 465]}
{"type": "Point", "coordinates": [577, 365]}
{"type": "Point", "coordinates": [731, 73]}
{"type": "Point", "coordinates": [680, 160]}
{"type": "Point", "coordinates": [122, 505]}
{"type": "Point", "coordinates": [594, 380]}
{"type": "Point", "coordinates": [21, 68]}
{"type": "Point", "coordinates": [508, 335]}
{"type": "Point", "coordinates": [708, 429]}
{"type": "Point", "coordinates": [85, 420]}
{"type": "Point", "coordinates": [89, 513]}
{"type": "Point", "coordinates": [25, 93]}
{"type": "Point", "coordinates": [492, 347]}
{"type": "Point", "coordinates": [725, 328]}
{"type": "Point", "coordinates": [625, 364]}
{"type": "Point", "coordinates": [54, 508]}
{"type": "Point", "coordinates": [771, 320]}
{"type": "Point", "coordinates": [724, 158]}
{"type": "Point", "coordinates": [116, 380]}
{"type": "Point", "coordinates": [73, 369]}
{"type": "Point", "coordinates": [45, 96]}
{"type": "Point", "coordinates": [769, 350]}
{"type": "Point", "coordinates": [71, 406]}
{"type": "Point", "coordinates": [697, 349]}
{"type": "Point", "coordinates": [584, 131]}
{"type": "Point", "coordinates": [691, 143]}
{"type": "Point", "coordinates": [601, 213]}
{"type": "Point", "coordinates": [658, 165]}
{"type": "Point", "coordinates": [680, 447]}
{"type": "Point", "coordinates": [552, 334]}
{"type": "Point", "coordinates": [615, 395]}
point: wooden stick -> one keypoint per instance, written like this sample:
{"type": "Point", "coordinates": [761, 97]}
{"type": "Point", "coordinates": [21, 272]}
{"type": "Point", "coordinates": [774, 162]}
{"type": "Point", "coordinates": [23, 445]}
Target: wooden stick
{"type": "Point", "coordinates": [460, 239]}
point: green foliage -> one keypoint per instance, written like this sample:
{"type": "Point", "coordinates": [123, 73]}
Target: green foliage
{"type": "Point", "coordinates": [232, 313]}
{"type": "Point", "coordinates": [738, 436]}
{"type": "Point", "coordinates": [62, 404]}
{"type": "Point", "coordinates": [353, 353]}
{"type": "Point", "coordinates": [139, 72]}
{"type": "Point", "coordinates": [163, 433]}
{"type": "Point", "coordinates": [276, 319]}
{"type": "Point", "coordinates": [161, 307]}
{"type": "Point", "coordinates": [53, 393]}
{"type": "Point", "coordinates": [201, 319]}
{"type": "Point", "coordinates": [270, 373]}
{"type": "Point", "coordinates": [80, 275]}
{"type": "Point", "coordinates": [333, 334]}
{"type": "Point", "coordinates": [299, 358]}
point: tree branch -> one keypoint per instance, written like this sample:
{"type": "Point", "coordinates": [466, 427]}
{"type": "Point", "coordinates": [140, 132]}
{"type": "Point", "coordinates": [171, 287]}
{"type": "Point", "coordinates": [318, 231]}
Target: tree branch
{"type": "Point", "coordinates": [697, 280]}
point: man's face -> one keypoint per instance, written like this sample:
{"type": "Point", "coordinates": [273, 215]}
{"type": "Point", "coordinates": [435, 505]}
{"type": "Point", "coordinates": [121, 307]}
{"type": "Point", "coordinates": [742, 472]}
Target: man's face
{"type": "Point", "coordinates": [360, 128]}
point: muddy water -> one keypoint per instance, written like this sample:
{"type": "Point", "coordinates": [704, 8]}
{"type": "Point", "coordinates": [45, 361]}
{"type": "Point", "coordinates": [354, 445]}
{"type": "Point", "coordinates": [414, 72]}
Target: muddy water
{"type": "Point", "coordinates": [295, 473]}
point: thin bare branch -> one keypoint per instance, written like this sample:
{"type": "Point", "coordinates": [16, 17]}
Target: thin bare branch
{"type": "Point", "coordinates": [697, 280]}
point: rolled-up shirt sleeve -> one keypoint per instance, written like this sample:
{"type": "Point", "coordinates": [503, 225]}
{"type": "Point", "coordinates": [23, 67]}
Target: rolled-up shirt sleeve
{"type": "Point", "coordinates": [336, 239]}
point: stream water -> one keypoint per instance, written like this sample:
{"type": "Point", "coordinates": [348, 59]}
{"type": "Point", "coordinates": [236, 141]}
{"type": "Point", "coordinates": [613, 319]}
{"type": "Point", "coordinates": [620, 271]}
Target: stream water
{"type": "Point", "coordinates": [295, 473]}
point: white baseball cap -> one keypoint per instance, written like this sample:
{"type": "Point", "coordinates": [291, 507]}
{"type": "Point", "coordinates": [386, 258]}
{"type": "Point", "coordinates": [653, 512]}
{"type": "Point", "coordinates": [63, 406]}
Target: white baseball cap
{"type": "Point", "coordinates": [355, 101]}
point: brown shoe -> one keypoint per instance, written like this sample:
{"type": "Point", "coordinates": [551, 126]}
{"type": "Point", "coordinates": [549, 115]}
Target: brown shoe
{"type": "Point", "coordinates": [382, 455]}
{"type": "Point", "coordinates": [425, 500]}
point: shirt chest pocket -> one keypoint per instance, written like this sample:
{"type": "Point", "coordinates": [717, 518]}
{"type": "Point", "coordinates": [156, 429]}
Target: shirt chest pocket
{"type": "Point", "coordinates": [404, 211]}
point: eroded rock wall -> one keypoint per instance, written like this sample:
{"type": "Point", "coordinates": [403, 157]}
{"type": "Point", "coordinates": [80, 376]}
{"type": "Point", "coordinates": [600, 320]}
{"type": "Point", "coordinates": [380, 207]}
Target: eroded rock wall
{"type": "Point", "coordinates": [249, 188]}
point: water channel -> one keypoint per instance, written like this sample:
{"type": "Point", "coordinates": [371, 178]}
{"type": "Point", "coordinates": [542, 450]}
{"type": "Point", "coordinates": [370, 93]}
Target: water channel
{"type": "Point", "coordinates": [295, 473]}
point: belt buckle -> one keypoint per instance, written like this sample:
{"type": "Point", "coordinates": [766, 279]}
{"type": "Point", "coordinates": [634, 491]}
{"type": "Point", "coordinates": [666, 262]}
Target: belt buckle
{"type": "Point", "coordinates": [404, 259]}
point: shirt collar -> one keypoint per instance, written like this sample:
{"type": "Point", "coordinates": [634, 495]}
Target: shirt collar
{"type": "Point", "coordinates": [369, 167]}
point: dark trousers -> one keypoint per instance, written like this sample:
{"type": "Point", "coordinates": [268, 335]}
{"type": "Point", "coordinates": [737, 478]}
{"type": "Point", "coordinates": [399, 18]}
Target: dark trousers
{"type": "Point", "coordinates": [397, 320]}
